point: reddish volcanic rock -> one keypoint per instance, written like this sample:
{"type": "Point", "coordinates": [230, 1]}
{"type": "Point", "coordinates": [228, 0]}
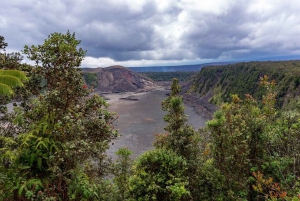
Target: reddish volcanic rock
{"type": "Point", "coordinates": [120, 79]}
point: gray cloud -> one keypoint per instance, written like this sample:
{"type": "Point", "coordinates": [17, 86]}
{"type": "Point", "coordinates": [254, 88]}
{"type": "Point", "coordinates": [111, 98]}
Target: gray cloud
{"type": "Point", "coordinates": [154, 30]}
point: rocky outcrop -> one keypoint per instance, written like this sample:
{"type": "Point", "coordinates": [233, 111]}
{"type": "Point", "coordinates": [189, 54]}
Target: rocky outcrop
{"type": "Point", "coordinates": [116, 79]}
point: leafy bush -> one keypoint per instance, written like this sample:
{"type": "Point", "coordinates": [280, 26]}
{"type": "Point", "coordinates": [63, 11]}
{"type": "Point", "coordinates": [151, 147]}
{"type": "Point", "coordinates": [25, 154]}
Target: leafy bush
{"type": "Point", "coordinates": [159, 175]}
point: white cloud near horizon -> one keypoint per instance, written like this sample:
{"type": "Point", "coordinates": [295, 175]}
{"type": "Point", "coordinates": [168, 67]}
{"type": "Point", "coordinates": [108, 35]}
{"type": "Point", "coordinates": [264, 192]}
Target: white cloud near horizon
{"type": "Point", "coordinates": [103, 62]}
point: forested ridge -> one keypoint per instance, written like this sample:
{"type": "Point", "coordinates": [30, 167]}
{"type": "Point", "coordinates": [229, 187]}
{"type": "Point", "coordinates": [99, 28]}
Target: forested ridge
{"type": "Point", "coordinates": [243, 78]}
{"type": "Point", "coordinates": [53, 145]}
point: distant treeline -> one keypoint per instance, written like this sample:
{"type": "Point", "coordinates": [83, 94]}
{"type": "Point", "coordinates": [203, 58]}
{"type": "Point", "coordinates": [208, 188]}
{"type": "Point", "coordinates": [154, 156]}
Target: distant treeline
{"type": "Point", "coordinates": [244, 78]}
{"type": "Point", "coordinates": [168, 76]}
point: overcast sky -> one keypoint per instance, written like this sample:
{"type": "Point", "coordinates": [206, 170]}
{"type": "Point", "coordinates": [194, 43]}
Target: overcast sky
{"type": "Point", "coordinates": [159, 32]}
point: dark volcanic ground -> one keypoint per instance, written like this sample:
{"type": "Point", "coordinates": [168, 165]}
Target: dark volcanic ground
{"type": "Point", "coordinates": [140, 120]}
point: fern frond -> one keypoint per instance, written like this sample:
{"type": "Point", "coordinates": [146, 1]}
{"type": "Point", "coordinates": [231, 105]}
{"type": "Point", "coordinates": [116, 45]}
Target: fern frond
{"type": "Point", "coordinates": [6, 90]}
{"type": "Point", "coordinates": [16, 73]}
{"type": "Point", "coordinates": [10, 80]}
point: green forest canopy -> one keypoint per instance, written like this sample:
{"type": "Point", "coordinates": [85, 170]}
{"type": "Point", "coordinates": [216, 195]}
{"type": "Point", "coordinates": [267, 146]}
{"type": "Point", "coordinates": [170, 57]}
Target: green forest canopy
{"type": "Point", "coordinates": [243, 78]}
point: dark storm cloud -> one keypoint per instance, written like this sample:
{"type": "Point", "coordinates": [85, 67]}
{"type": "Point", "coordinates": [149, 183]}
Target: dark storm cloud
{"type": "Point", "coordinates": [118, 32]}
{"type": "Point", "coordinates": [153, 30]}
{"type": "Point", "coordinates": [211, 35]}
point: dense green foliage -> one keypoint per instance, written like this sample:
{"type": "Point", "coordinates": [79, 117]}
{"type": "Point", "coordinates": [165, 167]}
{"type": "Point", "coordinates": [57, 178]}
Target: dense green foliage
{"type": "Point", "coordinates": [238, 143]}
{"type": "Point", "coordinates": [159, 175]}
{"type": "Point", "coordinates": [53, 147]}
{"type": "Point", "coordinates": [248, 138]}
{"type": "Point", "coordinates": [122, 170]}
{"type": "Point", "coordinates": [243, 78]}
{"type": "Point", "coordinates": [168, 76]}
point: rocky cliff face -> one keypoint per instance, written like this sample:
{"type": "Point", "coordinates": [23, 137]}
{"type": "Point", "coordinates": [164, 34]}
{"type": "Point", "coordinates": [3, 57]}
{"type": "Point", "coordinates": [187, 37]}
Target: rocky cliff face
{"type": "Point", "coordinates": [119, 79]}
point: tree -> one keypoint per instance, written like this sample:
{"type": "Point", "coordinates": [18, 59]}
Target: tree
{"type": "Point", "coordinates": [62, 135]}
{"type": "Point", "coordinates": [57, 61]}
{"type": "Point", "coordinates": [239, 140]}
{"type": "Point", "coordinates": [180, 137]}
{"type": "Point", "coordinates": [122, 170]}
{"type": "Point", "coordinates": [3, 44]}
{"type": "Point", "coordinates": [9, 60]}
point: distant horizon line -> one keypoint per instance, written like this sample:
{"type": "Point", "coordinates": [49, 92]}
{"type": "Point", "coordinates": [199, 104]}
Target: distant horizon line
{"type": "Point", "coordinates": [201, 64]}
